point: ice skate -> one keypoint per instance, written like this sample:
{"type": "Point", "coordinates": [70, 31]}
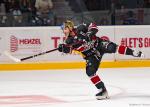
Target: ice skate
{"type": "Point", "coordinates": [138, 54]}
{"type": "Point", "coordinates": [103, 94]}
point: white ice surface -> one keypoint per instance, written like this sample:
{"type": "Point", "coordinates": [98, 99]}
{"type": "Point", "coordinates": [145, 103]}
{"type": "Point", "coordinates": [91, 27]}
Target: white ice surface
{"type": "Point", "coordinates": [127, 87]}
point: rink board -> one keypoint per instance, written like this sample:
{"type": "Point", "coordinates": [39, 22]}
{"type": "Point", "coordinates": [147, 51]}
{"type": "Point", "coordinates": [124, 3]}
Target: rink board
{"type": "Point", "coordinates": [26, 41]}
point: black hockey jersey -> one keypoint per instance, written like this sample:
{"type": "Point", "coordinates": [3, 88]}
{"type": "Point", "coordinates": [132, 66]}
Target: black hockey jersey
{"type": "Point", "coordinates": [85, 41]}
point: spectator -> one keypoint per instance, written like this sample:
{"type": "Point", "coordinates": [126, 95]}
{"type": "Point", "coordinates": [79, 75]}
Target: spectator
{"type": "Point", "coordinates": [2, 8]}
{"type": "Point", "coordinates": [32, 16]}
{"type": "Point", "coordinates": [26, 9]}
{"type": "Point", "coordinates": [130, 19]}
{"type": "Point", "coordinates": [8, 5]}
{"type": "Point", "coordinates": [3, 16]}
{"type": "Point", "coordinates": [33, 9]}
{"type": "Point", "coordinates": [16, 13]}
{"type": "Point", "coordinates": [25, 5]}
{"type": "Point", "coordinates": [44, 11]}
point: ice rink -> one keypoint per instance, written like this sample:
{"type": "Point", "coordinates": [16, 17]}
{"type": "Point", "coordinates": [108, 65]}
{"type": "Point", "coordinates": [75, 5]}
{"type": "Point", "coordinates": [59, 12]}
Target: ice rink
{"type": "Point", "coordinates": [127, 87]}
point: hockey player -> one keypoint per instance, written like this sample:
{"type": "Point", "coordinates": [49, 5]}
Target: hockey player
{"type": "Point", "coordinates": [83, 39]}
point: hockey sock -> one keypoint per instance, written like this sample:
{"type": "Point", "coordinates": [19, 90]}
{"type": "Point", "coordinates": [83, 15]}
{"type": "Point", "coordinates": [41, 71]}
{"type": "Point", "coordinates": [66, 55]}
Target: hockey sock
{"type": "Point", "coordinates": [97, 82]}
{"type": "Point", "coordinates": [125, 50]}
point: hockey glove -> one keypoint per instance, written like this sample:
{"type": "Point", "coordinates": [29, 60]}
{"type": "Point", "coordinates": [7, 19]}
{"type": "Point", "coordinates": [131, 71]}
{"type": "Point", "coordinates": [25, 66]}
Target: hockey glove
{"type": "Point", "coordinates": [69, 40]}
{"type": "Point", "coordinates": [63, 48]}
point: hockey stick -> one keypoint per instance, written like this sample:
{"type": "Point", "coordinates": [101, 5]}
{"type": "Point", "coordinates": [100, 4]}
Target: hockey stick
{"type": "Point", "coordinates": [29, 57]}
{"type": "Point", "coordinates": [32, 56]}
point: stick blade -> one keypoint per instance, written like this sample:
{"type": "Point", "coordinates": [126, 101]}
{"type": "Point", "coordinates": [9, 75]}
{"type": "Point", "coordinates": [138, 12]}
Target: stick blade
{"type": "Point", "coordinates": [11, 57]}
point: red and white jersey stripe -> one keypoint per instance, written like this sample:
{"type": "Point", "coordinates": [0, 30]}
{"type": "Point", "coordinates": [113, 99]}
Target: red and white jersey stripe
{"type": "Point", "coordinates": [92, 26]}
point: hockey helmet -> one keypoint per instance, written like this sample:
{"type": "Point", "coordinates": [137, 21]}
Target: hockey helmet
{"type": "Point", "coordinates": [82, 28]}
